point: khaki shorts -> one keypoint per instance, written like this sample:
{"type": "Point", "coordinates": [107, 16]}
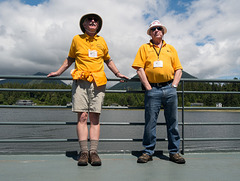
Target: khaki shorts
{"type": "Point", "coordinates": [87, 97]}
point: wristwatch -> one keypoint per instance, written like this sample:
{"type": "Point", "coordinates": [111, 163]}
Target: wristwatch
{"type": "Point", "coordinates": [174, 86]}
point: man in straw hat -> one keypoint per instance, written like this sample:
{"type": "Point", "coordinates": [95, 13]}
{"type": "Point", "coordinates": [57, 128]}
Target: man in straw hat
{"type": "Point", "coordinates": [89, 52]}
{"type": "Point", "coordinates": [160, 71]}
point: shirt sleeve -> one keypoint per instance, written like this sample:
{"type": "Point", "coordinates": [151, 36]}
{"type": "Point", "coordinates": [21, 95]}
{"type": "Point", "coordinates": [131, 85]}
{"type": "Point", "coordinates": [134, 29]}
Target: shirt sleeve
{"type": "Point", "coordinates": [106, 53]}
{"type": "Point", "coordinates": [140, 58]}
{"type": "Point", "coordinates": [176, 62]}
{"type": "Point", "coordinates": [72, 51]}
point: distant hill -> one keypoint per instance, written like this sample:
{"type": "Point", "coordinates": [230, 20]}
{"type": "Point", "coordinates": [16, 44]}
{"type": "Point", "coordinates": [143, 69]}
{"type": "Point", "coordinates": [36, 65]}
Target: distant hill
{"type": "Point", "coordinates": [30, 81]}
{"type": "Point", "coordinates": [137, 85]}
{"type": "Point", "coordinates": [186, 75]}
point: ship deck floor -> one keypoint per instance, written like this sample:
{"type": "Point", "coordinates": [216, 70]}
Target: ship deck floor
{"type": "Point", "coordinates": [219, 166]}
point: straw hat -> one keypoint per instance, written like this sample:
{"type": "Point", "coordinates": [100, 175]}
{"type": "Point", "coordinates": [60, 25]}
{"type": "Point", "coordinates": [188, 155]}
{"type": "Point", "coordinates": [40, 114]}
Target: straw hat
{"type": "Point", "coordinates": [88, 16]}
{"type": "Point", "coordinates": [156, 23]}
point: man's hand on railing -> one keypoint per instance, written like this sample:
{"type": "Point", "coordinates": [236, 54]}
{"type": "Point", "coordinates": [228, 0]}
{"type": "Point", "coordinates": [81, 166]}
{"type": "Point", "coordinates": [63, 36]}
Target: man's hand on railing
{"type": "Point", "coordinates": [123, 77]}
{"type": "Point", "coordinates": [53, 74]}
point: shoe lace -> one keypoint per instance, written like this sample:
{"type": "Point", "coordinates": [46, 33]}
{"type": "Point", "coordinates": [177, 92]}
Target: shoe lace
{"type": "Point", "coordinates": [84, 155]}
{"type": "Point", "coordinates": [177, 156]}
{"type": "Point", "coordinates": [94, 155]}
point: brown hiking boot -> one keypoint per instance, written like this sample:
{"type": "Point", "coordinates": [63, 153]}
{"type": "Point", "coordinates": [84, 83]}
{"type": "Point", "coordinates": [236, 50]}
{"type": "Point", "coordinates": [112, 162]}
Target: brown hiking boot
{"type": "Point", "coordinates": [83, 159]}
{"type": "Point", "coordinates": [94, 159]}
{"type": "Point", "coordinates": [176, 158]}
{"type": "Point", "coordinates": [144, 158]}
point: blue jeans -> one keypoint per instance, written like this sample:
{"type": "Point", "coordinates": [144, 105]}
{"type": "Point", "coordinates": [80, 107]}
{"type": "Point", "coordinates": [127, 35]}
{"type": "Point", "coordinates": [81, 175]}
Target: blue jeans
{"type": "Point", "coordinates": [167, 97]}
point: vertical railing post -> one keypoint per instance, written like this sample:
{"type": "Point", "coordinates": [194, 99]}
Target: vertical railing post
{"type": "Point", "coordinates": [183, 117]}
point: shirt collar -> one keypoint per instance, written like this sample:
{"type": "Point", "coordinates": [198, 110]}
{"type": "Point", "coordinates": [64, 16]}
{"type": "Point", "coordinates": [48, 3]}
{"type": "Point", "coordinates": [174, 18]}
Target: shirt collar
{"type": "Point", "coordinates": [163, 43]}
{"type": "Point", "coordinates": [90, 37]}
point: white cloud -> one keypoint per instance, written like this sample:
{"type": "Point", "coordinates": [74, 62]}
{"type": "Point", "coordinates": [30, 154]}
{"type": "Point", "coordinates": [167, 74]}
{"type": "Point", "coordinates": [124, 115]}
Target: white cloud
{"type": "Point", "coordinates": [37, 38]}
{"type": "Point", "coordinates": [213, 24]}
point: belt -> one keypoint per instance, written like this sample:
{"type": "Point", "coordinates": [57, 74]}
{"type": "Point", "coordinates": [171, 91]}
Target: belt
{"type": "Point", "coordinates": [162, 84]}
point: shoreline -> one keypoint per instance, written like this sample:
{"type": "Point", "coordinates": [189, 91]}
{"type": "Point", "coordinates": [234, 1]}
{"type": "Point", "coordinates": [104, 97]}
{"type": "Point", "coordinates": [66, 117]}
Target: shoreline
{"type": "Point", "coordinates": [209, 110]}
{"type": "Point", "coordinates": [185, 110]}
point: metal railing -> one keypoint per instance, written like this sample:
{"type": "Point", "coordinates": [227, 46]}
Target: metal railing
{"type": "Point", "coordinates": [183, 108]}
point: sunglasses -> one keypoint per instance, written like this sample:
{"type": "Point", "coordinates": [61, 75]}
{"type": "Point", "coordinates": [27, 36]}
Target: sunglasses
{"type": "Point", "coordinates": [158, 28]}
{"type": "Point", "coordinates": [92, 18]}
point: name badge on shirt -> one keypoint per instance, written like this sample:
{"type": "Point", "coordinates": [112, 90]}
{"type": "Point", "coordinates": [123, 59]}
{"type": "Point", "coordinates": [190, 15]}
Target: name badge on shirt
{"type": "Point", "coordinates": [92, 53]}
{"type": "Point", "coordinates": [158, 64]}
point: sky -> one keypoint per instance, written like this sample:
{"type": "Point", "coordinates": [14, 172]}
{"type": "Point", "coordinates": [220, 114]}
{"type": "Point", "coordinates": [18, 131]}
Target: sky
{"type": "Point", "coordinates": [35, 35]}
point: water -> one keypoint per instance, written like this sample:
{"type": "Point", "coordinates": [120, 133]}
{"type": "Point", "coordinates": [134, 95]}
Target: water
{"type": "Point", "coordinates": [117, 132]}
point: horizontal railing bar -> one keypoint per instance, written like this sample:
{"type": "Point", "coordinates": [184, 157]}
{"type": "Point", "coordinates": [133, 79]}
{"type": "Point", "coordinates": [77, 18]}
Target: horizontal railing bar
{"type": "Point", "coordinates": [121, 107]}
{"type": "Point", "coordinates": [211, 139]}
{"type": "Point", "coordinates": [210, 123]}
{"type": "Point", "coordinates": [129, 140]}
{"type": "Point", "coordinates": [59, 107]}
{"type": "Point", "coordinates": [36, 140]}
{"type": "Point", "coordinates": [69, 140]}
{"type": "Point", "coordinates": [209, 92]}
{"type": "Point", "coordinates": [61, 90]}
{"type": "Point", "coordinates": [110, 79]}
{"type": "Point", "coordinates": [210, 80]}
{"type": "Point", "coordinates": [210, 108]}
{"type": "Point", "coordinates": [38, 123]}
{"type": "Point", "coordinates": [35, 90]}
{"type": "Point", "coordinates": [113, 91]}
{"type": "Point", "coordinates": [110, 140]}
{"type": "Point", "coordinates": [74, 123]}
{"type": "Point", "coordinates": [34, 107]}
{"type": "Point", "coordinates": [35, 77]}
{"type": "Point", "coordinates": [54, 78]}
{"type": "Point", "coordinates": [118, 123]}
{"type": "Point", "coordinates": [123, 91]}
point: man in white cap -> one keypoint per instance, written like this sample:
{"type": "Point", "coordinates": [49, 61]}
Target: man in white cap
{"type": "Point", "coordinates": [160, 71]}
{"type": "Point", "coordinates": [89, 52]}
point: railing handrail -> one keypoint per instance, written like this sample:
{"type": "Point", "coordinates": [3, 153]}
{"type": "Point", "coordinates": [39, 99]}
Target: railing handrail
{"type": "Point", "coordinates": [110, 79]}
{"type": "Point", "coordinates": [114, 91]}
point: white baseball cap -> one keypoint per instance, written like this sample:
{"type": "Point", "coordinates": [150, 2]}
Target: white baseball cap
{"type": "Point", "coordinates": [156, 23]}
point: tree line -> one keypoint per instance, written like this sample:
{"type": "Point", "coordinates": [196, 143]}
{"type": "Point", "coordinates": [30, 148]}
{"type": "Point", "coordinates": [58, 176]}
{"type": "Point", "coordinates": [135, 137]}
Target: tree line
{"type": "Point", "coordinates": [227, 100]}
{"type": "Point", "coordinates": [39, 98]}
{"type": "Point", "coordinates": [122, 99]}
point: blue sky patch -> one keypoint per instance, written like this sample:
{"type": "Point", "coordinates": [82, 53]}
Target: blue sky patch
{"type": "Point", "coordinates": [33, 2]}
{"type": "Point", "coordinates": [179, 6]}
{"type": "Point", "coordinates": [206, 40]}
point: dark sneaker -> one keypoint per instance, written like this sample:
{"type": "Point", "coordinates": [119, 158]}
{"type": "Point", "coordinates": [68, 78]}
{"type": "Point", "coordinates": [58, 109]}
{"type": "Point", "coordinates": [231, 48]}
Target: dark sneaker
{"type": "Point", "coordinates": [94, 159]}
{"type": "Point", "coordinates": [83, 159]}
{"type": "Point", "coordinates": [144, 158]}
{"type": "Point", "coordinates": [176, 158]}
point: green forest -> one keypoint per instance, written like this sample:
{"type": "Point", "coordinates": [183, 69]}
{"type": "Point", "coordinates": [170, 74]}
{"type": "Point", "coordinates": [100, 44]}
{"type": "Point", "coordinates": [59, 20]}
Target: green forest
{"type": "Point", "coordinates": [122, 99]}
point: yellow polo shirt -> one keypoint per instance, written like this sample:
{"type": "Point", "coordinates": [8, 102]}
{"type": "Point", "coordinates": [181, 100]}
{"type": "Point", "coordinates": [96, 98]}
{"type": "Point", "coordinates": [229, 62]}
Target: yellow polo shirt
{"type": "Point", "coordinates": [89, 54]}
{"type": "Point", "coordinates": [169, 62]}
